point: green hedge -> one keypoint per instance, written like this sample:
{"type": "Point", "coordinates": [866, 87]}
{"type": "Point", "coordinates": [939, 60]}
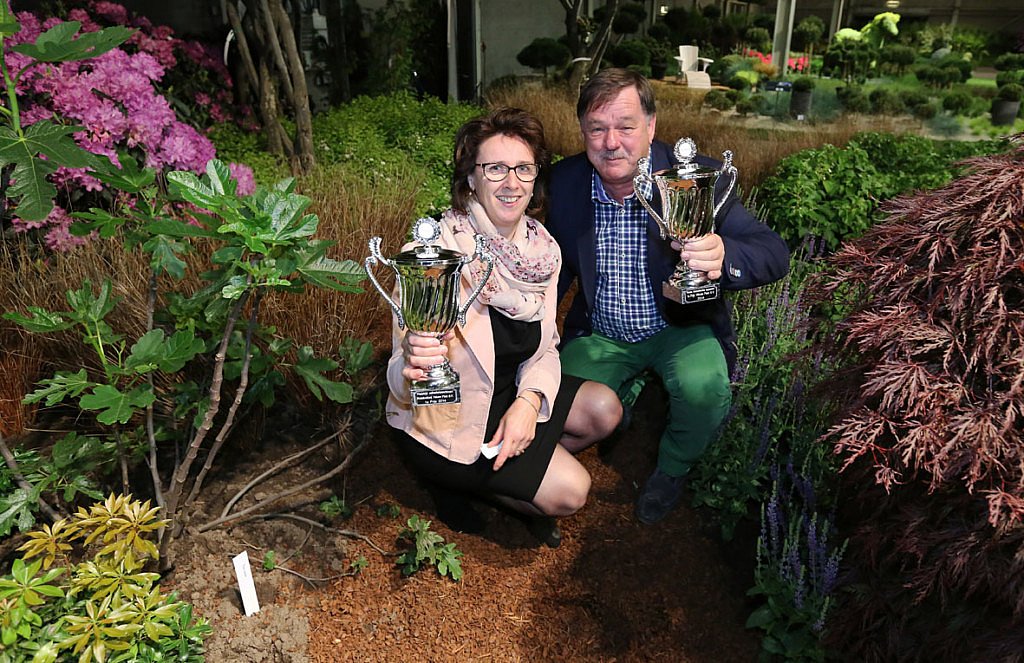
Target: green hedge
{"type": "Point", "coordinates": [379, 136]}
{"type": "Point", "coordinates": [833, 193]}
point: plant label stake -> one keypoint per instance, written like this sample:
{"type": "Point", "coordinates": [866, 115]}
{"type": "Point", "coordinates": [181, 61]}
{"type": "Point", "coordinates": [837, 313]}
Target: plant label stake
{"type": "Point", "coordinates": [250, 604]}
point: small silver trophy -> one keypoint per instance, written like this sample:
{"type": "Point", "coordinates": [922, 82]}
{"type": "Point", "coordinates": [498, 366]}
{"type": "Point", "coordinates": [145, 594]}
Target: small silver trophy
{"type": "Point", "coordinates": [688, 211]}
{"type": "Point", "coordinates": [428, 289]}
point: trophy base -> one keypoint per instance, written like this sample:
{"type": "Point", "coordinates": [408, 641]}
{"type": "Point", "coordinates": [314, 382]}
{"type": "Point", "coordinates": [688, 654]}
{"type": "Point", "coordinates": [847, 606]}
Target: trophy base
{"type": "Point", "coordinates": [435, 395]}
{"type": "Point", "coordinates": [691, 294]}
{"type": "Point", "coordinates": [439, 387]}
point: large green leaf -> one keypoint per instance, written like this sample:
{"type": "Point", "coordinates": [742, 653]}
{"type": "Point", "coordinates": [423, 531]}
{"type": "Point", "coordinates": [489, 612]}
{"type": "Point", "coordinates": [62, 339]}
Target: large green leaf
{"type": "Point", "coordinates": [312, 368]}
{"type": "Point", "coordinates": [16, 509]}
{"type": "Point", "coordinates": [165, 253]}
{"type": "Point", "coordinates": [220, 178]}
{"type": "Point", "coordinates": [179, 349]}
{"type": "Point", "coordinates": [146, 352]}
{"type": "Point", "coordinates": [98, 220]}
{"type": "Point", "coordinates": [59, 45]}
{"type": "Point", "coordinates": [129, 177]}
{"type": "Point", "coordinates": [114, 405]}
{"type": "Point", "coordinates": [59, 387]}
{"type": "Point", "coordinates": [30, 184]}
{"type": "Point", "coordinates": [342, 275]}
{"type": "Point", "coordinates": [88, 307]}
{"type": "Point", "coordinates": [194, 190]}
{"type": "Point", "coordinates": [41, 320]}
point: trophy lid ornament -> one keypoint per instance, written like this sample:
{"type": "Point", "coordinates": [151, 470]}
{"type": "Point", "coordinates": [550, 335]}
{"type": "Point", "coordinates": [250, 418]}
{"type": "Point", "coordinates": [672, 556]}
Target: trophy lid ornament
{"type": "Point", "coordinates": [426, 231]}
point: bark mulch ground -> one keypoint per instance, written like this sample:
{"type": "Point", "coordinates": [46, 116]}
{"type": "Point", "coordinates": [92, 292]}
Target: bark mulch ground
{"type": "Point", "coordinates": [615, 590]}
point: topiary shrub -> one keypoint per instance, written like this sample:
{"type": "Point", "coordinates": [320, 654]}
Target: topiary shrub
{"type": "Point", "coordinates": [1010, 92]}
{"type": "Point", "coordinates": [911, 99]}
{"type": "Point", "coordinates": [629, 52]}
{"type": "Point", "coordinates": [1006, 77]}
{"type": "Point", "coordinates": [957, 102]}
{"type": "Point", "coordinates": [719, 100]}
{"type": "Point", "coordinates": [1009, 62]}
{"type": "Point", "coordinates": [544, 52]}
{"type": "Point", "coordinates": [885, 101]}
{"type": "Point", "coordinates": [925, 111]}
{"type": "Point", "coordinates": [853, 99]}
{"type": "Point", "coordinates": [748, 105]}
{"type": "Point", "coordinates": [803, 84]}
{"type": "Point", "coordinates": [931, 434]}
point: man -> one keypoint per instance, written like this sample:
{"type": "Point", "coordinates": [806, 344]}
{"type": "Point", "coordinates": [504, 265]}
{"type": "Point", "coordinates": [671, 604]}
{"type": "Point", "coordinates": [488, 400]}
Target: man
{"type": "Point", "coordinates": [620, 324]}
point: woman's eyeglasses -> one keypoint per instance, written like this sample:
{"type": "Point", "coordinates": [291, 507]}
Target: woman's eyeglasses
{"type": "Point", "coordinates": [496, 172]}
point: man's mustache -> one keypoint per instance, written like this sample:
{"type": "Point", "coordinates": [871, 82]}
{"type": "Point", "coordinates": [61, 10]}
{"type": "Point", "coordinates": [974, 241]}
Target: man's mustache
{"type": "Point", "coordinates": [615, 154]}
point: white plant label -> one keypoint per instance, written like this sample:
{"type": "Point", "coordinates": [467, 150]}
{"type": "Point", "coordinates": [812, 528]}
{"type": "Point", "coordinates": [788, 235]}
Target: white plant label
{"type": "Point", "coordinates": [243, 572]}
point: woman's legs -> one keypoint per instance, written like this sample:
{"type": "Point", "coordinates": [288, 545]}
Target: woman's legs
{"type": "Point", "coordinates": [595, 413]}
{"type": "Point", "coordinates": [562, 492]}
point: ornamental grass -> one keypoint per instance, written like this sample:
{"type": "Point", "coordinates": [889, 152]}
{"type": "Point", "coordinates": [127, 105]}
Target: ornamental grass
{"type": "Point", "coordinates": [757, 149]}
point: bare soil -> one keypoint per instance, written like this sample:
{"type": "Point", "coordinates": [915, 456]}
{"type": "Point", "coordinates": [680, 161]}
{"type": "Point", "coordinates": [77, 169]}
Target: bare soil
{"type": "Point", "coordinates": [615, 590]}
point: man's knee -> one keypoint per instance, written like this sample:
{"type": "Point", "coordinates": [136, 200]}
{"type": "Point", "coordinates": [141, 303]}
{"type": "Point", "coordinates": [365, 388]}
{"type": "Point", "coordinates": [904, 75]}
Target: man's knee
{"type": "Point", "coordinates": [700, 389]}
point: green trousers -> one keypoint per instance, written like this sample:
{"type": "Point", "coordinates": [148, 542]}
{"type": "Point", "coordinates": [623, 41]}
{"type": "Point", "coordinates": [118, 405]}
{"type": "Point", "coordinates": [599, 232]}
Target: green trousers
{"type": "Point", "coordinates": [691, 365]}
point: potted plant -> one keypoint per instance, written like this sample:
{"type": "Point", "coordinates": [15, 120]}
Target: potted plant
{"type": "Point", "coordinates": [660, 55]}
{"type": "Point", "coordinates": [800, 97]}
{"type": "Point", "coordinates": [1006, 105]}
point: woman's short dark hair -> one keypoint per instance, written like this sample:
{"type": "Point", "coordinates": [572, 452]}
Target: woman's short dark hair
{"type": "Point", "coordinates": [512, 122]}
{"type": "Point", "coordinates": [605, 85]}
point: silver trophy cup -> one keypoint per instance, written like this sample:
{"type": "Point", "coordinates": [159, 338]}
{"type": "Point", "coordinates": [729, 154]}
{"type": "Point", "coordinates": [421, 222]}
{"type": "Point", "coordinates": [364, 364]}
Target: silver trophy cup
{"type": "Point", "coordinates": [427, 278]}
{"type": "Point", "coordinates": [688, 211]}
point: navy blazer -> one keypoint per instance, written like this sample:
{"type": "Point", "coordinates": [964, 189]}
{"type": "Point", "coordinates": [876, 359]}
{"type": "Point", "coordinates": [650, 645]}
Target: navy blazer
{"type": "Point", "coordinates": [754, 253]}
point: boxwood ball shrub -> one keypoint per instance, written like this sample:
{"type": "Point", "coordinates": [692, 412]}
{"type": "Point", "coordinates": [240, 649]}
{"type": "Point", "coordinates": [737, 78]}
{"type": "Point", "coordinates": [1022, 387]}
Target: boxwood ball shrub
{"type": "Point", "coordinates": [885, 101]}
{"type": "Point", "coordinates": [1005, 77]}
{"type": "Point", "coordinates": [927, 110]}
{"type": "Point", "coordinates": [913, 98]}
{"type": "Point", "coordinates": [719, 100]}
{"type": "Point", "coordinates": [1010, 92]}
{"type": "Point", "coordinates": [853, 99]}
{"type": "Point", "coordinates": [803, 84]}
{"type": "Point", "coordinates": [957, 102]}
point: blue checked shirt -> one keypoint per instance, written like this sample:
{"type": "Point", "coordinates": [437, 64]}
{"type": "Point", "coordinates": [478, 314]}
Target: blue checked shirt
{"type": "Point", "coordinates": [625, 309]}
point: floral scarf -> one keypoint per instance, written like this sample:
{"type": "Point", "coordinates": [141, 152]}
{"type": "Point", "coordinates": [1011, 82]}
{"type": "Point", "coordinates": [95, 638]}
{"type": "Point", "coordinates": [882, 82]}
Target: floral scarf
{"type": "Point", "coordinates": [523, 266]}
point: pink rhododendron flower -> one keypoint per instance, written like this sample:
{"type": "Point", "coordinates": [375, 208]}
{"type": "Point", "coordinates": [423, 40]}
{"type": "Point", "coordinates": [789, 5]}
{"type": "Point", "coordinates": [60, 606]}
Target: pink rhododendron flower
{"type": "Point", "coordinates": [244, 176]}
{"type": "Point", "coordinates": [111, 11]}
{"type": "Point", "coordinates": [80, 15]}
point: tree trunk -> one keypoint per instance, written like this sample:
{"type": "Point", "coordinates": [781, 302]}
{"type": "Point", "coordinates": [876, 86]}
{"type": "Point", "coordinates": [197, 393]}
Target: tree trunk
{"type": "Point", "coordinates": [304, 160]}
{"type": "Point", "coordinates": [337, 55]}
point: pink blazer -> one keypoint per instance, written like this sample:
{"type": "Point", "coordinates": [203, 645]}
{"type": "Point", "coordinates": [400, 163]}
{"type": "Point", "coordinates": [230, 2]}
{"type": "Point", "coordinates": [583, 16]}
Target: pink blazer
{"type": "Point", "coordinates": [456, 431]}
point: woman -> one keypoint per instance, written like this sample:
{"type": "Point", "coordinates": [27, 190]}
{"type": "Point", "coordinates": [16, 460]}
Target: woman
{"type": "Point", "coordinates": [514, 397]}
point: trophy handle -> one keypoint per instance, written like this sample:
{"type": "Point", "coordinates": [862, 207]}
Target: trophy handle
{"type": "Point", "coordinates": [485, 257]}
{"type": "Point", "coordinates": [368, 265]}
{"type": "Point", "coordinates": [641, 178]}
{"type": "Point", "coordinates": [728, 169]}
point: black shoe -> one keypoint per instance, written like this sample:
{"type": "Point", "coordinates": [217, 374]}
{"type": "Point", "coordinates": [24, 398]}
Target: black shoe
{"type": "Point", "coordinates": [659, 496]}
{"type": "Point", "coordinates": [545, 529]}
{"type": "Point", "coordinates": [455, 510]}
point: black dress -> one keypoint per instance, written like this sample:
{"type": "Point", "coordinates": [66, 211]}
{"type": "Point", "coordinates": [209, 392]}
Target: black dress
{"type": "Point", "coordinates": [514, 342]}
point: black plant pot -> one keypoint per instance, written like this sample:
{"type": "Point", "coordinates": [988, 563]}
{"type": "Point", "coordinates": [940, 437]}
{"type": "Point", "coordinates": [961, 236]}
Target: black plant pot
{"type": "Point", "coordinates": [800, 104]}
{"type": "Point", "coordinates": [658, 70]}
{"type": "Point", "coordinates": [1004, 112]}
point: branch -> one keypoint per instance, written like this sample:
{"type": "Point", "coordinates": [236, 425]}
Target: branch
{"type": "Point", "coordinates": [275, 469]}
{"type": "Point", "coordinates": [309, 521]}
{"type": "Point", "coordinates": [275, 46]}
{"type": "Point", "coordinates": [181, 473]}
{"type": "Point", "coordinates": [243, 383]}
{"type": "Point", "coordinates": [291, 491]}
{"type": "Point", "coordinates": [12, 465]}
{"type": "Point", "coordinates": [151, 461]}
{"type": "Point", "coordinates": [243, 45]}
